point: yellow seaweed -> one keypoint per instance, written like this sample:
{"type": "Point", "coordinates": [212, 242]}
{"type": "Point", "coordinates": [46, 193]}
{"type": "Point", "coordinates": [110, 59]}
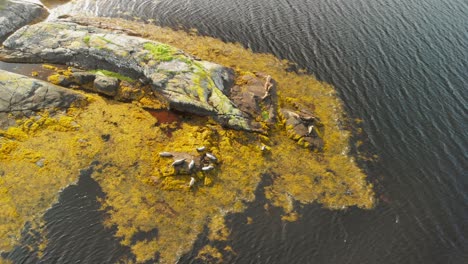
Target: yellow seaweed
{"type": "Point", "coordinates": [144, 192]}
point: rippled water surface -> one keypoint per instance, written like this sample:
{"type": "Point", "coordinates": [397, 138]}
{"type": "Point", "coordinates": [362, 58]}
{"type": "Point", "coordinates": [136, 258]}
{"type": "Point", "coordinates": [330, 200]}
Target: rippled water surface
{"type": "Point", "coordinates": [401, 66]}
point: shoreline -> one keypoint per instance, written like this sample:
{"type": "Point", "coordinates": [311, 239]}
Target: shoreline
{"type": "Point", "coordinates": [288, 187]}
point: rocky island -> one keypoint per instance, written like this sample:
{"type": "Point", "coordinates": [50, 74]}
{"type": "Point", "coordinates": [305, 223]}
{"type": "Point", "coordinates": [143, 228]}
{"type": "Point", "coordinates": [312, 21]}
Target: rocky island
{"type": "Point", "coordinates": [238, 116]}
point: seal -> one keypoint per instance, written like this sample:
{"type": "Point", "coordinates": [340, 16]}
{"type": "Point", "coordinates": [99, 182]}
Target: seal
{"type": "Point", "coordinates": [178, 162]}
{"type": "Point", "coordinates": [200, 149]}
{"type": "Point", "coordinates": [207, 168]}
{"type": "Point", "coordinates": [191, 165]}
{"type": "Point", "coordinates": [211, 156]}
{"type": "Point", "coordinates": [192, 181]}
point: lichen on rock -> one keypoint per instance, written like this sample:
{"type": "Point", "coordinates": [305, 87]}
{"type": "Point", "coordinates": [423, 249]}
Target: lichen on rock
{"type": "Point", "coordinates": [21, 95]}
{"type": "Point", "coordinates": [189, 85]}
{"type": "Point", "coordinates": [15, 14]}
{"type": "Point", "coordinates": [144, 191]}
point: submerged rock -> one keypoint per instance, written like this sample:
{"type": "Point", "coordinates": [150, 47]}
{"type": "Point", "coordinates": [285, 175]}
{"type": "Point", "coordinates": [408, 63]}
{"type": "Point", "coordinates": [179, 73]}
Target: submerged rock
{"type": "Point", "coordinates": [19, 93]}
{"type": "Point", "coordinates": [189, 85]}
{"type": "Point", "coordinates": [15, 14]}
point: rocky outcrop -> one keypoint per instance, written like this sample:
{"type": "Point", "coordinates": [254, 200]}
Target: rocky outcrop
{"type": "Point", "coordinates": [189, 85]}
{"type": "Point", "coordinates": [106, 85]}
{"type": "Point", "coordinates": [83, 77]}
{"type": "Point", "coordinates": [255, 94]}
{"type": "Point", "coordinates": [303, 127]}
{"type": "Point", "coordinates": [15, 14]}
{"type": "Point", "coordinates": [21, 94]}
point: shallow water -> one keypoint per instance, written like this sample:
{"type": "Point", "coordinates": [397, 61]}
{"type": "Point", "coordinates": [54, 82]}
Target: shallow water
{"type": "Point", "coordinates": [30, 69]}
{"type": "Point", "coordinates": [398, 65]}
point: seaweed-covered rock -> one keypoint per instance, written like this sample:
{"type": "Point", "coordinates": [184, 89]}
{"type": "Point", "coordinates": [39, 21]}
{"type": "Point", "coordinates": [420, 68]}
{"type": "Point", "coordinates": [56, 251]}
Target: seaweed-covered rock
{"type": "Point", "coordinates": [255, 94]}
{"type": "Point", "coordinates": [83, 77]}
{"type": "Point", "coordinates": [15, 14]}
{"type": "Point", "coordinates": [59, 80]}
{"type": "Point", "coordinates": [19, 93]}
{"type": "Point", "coordinates": [188, 84]}
{"type": "Point", "coordinates": [303, 127]}
{"type": "Point", "coordinates": [106, 85]}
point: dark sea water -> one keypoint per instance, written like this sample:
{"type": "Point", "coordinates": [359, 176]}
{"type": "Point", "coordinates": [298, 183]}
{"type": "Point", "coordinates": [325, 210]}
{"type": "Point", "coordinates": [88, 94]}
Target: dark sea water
{"type": "Point", "coordinates": [401, 66]}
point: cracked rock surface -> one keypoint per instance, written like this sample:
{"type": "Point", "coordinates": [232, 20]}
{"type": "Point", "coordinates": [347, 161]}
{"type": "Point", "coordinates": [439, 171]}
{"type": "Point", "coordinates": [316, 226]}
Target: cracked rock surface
{"type": "Point", "coordinates": [190, 85]}
{"type": "Point", "coordinates": [19, 93]}
{"type": "Point", "coordinates": [15, 14]}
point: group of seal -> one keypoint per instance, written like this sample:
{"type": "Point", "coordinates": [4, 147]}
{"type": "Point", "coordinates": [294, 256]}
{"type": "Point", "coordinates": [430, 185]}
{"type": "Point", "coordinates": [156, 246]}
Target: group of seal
{"type": "Point", "coordinates": [207, 162]}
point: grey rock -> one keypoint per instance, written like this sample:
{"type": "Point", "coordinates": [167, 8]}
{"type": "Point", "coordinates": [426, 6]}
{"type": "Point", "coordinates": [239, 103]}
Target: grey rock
{"type": "Point", "coordinates": [301, 130]}
{"type": "Point", "coordinates": [20, 93]}
{"type": "Point", "coordinates": [106, 85]}
{"type": "Point", "coordinates": [15, 14]}
{"type": "Point", "coordinates": [6, 121]}
{"type": "Point", "coordinates": [83, 77]}
{"type": "Point", "coordinates": [316, 142]}
{"type": "Point", "coordinates": [62, 81]}
{"type": "Point", "coordinates": [223, 77]}
{"type": "Point", "coordinates": [189, 85]}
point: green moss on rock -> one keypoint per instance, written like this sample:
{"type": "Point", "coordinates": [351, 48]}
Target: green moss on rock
{"type": "Point", "coordinates": [113, 74]}
{"type": "Point", "coordinates": [160, 52]}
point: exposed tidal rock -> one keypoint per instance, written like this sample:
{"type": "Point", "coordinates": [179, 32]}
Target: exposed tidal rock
{"type": "Point", "coordinates": [83, 77]}
{"type": "Point", "coordinates": [188, 84]}
{"type": "Point", "coordinates": [303, 127]}
{"type": "Point", "coordinates": [59, 80]}
{"type": "Point", "coordinates": [15, 14]}
{"type": "Point", "coordinates": [190, 162]}
{"type": "Point", "coordinates": [255, 94]}
{"type": "Point", "coordinates": [106, 85]}
{"type": "Point", "coordinates": [20, 93]}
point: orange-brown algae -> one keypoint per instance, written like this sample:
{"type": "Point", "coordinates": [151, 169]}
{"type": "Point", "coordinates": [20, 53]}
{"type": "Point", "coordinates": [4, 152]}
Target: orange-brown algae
{"type": "Point", "coordinates": [142, 191]}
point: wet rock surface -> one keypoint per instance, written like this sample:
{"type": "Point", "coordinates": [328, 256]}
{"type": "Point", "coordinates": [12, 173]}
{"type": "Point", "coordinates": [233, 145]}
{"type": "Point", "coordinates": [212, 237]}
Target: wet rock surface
{"type": "Point", "coordinates": [22, 94]}
{"type": "Point", "coordinates": [190, 85]}
{"type": "Point", "coordinates": [15, 14]}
